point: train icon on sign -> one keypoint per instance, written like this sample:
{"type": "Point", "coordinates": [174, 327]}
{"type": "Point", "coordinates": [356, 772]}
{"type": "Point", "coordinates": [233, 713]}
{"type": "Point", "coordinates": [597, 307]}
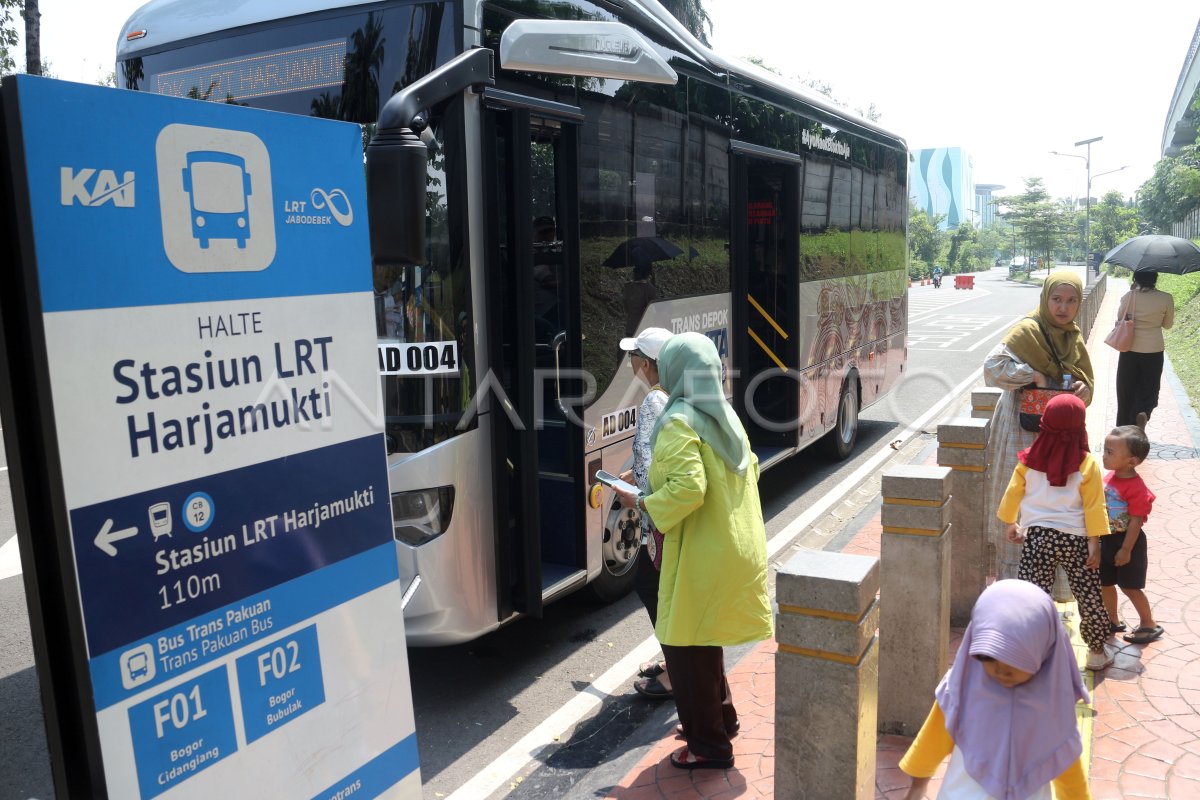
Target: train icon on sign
{"type": "Point", "coordinates": [218, 189]}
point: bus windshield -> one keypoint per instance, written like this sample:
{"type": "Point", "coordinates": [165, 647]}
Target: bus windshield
{"type": "Point", "coordinates": [344, 64]}
{"type": "Point", "coordinates": [326, 65]}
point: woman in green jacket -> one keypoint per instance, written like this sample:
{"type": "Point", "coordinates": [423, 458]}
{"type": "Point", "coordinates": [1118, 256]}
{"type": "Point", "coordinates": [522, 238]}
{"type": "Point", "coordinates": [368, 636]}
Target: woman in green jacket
{"type": "Point", "coordinates": [713, 586]}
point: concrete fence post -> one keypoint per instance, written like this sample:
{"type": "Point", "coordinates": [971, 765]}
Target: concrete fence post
{"type": "Point", "coordinates": [963, 447]}
{"type": "Point", "coordinates": [984, 402]}
{"type": "Point", "coordinates": [914, 625]}
{"type": "Point", "coordinates": [826, 676]}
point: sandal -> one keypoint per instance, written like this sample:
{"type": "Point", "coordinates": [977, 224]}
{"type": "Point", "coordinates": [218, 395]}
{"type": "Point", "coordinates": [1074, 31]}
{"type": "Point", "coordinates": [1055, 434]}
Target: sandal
{"type": "Point", "coordinates": [653, 689]}
{"type": "Point", "coordinates": [1116, 627]}
{"type": "Point", "coordinates": [681, 760]}
{"type": "Point", "coordinates": [1144, 635]}
{"type": "Point", "coordinates": [653, 669]}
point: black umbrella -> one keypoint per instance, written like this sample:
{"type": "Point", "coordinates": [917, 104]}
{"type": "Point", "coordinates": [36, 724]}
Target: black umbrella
{"type": "Point", "coordinates": [642, 251]}
{"type": "Point", "coordinates": [1156, 253]}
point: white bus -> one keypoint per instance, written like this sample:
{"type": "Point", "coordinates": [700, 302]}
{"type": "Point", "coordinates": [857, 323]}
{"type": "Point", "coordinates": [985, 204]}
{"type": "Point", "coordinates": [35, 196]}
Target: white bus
{"type": "Point", "coordinates": [545, 178]}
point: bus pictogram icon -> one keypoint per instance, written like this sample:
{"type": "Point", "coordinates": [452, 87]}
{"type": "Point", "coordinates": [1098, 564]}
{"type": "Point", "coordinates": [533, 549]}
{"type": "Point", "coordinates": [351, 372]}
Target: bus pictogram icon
{"type": "Point", "coordinates": [215, 199]}
{"type": "Point", "coordinates": [218, 189]}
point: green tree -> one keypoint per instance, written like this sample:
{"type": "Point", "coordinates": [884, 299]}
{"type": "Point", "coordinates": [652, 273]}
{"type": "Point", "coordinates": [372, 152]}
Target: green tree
{"type": "Point", "coordinates": [925, 239]}
{"type": "Point", "coordinates": [8, 34]}
{"type": "Point", "coordinates": [1113, 221]}
{"type": "Point", "coordinates": [1173, 191]}
{"type": "Point", "coordinates": [962, 242]}
{"type": "Point", "coordinates": [1040, 223]}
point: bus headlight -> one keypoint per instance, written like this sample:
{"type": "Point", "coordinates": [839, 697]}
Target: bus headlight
{"type": "Point", "coordinates": [422, 515]}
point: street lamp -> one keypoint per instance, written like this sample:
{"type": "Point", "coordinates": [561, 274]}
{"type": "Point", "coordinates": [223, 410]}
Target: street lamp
{"type": "Point", "coordinates": [1087, 224]}
{"type": "Point", "coordinates": [1087, 219]}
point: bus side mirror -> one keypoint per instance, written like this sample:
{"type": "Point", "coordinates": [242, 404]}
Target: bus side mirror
{"type": "Point", "coordinates": [397, 158]}
{"type": "Point", "coordinates": [396, 168]}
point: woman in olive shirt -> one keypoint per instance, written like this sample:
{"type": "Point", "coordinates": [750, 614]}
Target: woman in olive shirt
{"type": "Point", "coordinates": [1139, 369]}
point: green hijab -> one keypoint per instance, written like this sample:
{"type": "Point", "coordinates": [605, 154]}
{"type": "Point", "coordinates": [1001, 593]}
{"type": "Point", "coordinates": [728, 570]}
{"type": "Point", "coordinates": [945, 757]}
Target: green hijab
{"type": "Point", "coordinates": [689, 368]}
{"type": "Point", "coordinates": [1028, 343]}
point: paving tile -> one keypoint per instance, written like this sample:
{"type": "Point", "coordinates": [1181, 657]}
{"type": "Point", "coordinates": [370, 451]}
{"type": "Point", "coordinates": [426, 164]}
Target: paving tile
{"type": "Point", "coordinates": [1141, 786]}
{"type": "Point", "coordinates": [1105, 790]}
{"type": "Point", "coordinates": [1138, 764]}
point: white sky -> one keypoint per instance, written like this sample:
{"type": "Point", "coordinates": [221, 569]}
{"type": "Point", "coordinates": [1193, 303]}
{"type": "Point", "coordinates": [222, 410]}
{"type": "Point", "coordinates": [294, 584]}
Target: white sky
{"type": "Point", "coordinates": [1008, 82]}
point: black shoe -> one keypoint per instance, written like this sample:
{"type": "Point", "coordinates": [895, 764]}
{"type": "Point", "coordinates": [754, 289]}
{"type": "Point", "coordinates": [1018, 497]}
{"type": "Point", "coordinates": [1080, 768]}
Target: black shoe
{"type": "Point", "coordinates": [1117, 627]}
{"type": "Point", "coordinates": [653, 689]}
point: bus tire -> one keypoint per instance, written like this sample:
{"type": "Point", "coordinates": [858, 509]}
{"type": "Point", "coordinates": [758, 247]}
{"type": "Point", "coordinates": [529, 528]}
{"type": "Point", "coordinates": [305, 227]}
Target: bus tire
{"type": "Point", "coordinates": [839, 443]}
{"type": "Point", "coordinates": [609, 587]}
{"type": "Point", "coordinates": [619, 554]}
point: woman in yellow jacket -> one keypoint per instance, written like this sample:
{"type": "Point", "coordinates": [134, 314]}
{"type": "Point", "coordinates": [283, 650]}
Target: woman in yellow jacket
{"type": "Point", "coordinates": [713, 586]}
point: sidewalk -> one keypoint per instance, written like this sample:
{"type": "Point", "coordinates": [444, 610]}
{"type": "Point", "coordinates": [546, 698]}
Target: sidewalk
{"type": "Point", "coordinates": [1145, 736]}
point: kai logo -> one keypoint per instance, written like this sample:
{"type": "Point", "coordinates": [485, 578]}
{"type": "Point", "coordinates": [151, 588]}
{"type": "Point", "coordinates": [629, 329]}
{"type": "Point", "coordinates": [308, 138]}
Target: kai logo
{"type": "Point", "coordinates": [95, 187]}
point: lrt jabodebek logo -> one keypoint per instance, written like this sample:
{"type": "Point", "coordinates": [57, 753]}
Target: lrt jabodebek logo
{"type": "Point", "coordinates": [215, 199]}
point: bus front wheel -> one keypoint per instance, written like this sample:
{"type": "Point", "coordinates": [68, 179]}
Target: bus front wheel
{"type": "Point", "coordinates": [622, 540]}
{"type": "Point", "coordinates": [839, 443]}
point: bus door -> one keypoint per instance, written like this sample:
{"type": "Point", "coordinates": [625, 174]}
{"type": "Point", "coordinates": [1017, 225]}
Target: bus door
{"type": "Point", "coordinates": [765, 297]}
{"type": "Point", "coordinates": [533, 328]}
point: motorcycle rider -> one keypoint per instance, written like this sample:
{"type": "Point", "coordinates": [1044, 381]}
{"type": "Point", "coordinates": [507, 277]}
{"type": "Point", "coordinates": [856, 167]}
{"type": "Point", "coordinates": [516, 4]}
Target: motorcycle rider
{"type": "Point", "coordinates": [937, 276]}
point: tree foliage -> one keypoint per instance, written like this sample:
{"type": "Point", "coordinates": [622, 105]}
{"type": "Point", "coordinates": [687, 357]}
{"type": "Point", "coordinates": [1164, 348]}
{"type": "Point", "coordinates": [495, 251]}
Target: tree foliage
{"type": "Point", "coordinates": [1041, 224]}
{"type": "Point", "coordinates": [1113, 221]}
{"type": "Point", "coordinates": [925, 239]}
{"type": "Point", "coordinates": [10, 10]}
{"type": "Point", "coordinates": [1173, 191]}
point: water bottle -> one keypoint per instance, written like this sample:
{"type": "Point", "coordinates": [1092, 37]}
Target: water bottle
{"type": "Point", "coordinates": [1067, 381]}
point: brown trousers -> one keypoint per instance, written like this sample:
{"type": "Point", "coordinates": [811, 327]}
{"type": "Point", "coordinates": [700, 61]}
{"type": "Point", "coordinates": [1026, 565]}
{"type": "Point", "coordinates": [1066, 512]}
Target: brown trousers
{"type": "Point", "coordinates": [702, 698]}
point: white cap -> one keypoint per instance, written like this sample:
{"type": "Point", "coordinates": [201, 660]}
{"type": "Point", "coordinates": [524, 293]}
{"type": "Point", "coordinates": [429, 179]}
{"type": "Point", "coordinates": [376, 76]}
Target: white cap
{"type": "Point", "coordinates": [649, 342]}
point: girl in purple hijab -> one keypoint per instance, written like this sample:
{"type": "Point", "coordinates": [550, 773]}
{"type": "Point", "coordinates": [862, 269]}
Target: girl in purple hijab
{"type": "Point", "coordinates": [1005, 711]}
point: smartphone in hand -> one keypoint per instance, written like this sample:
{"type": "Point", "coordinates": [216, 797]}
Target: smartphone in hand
{"type": "Point", "coordinates": [608, 479]}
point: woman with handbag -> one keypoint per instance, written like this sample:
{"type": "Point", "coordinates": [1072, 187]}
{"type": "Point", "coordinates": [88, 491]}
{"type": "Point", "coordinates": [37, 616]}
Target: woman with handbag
{"type": "Point", "coordinates": [1140, 365]}
{"type": "Point", "coordinates": [1039, 355]}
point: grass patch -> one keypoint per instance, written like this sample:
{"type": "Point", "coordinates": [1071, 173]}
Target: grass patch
{"type": "Point", "coordinates": [1183, 337]}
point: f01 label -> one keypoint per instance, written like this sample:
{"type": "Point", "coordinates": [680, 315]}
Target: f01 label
{"type": "Point", "coordinates": [421, 358]}
{"type": "Point", "coordinates": [182, 731]}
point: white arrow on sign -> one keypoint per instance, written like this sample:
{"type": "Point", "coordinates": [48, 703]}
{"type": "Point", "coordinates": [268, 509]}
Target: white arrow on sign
{"type": "Point", "coordinates": [106, 537]}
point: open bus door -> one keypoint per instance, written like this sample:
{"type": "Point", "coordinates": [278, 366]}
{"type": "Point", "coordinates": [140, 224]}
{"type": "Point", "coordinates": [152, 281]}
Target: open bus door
{"type": "Point", "coordinates": [534, 347]}
{"type": "Point", "coordinates": [765, 297]}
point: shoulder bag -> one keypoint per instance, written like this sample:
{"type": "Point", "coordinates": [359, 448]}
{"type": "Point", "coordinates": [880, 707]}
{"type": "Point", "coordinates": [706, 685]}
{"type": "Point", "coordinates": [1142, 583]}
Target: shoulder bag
{"type": "Point", "coordinates": [1120, 338]}
{"type": "Point", "coordinates": [1034, 398]}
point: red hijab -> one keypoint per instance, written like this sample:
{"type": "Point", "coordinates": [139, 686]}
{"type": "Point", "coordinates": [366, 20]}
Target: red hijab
{"type": "Point", "coordinates": [1061, 445]}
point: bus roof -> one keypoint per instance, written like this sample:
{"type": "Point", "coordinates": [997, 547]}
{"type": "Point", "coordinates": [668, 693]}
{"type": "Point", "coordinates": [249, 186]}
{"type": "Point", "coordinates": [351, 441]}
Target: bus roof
{"type": "Point", "coordinates": [167, 21]}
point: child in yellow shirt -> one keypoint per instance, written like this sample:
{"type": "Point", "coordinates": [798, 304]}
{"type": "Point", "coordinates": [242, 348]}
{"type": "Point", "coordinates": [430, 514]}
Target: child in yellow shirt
{"type": "Point", "coordinates": [1005, 711]}
{"type": "Point", "coordinates": [1057, 490]}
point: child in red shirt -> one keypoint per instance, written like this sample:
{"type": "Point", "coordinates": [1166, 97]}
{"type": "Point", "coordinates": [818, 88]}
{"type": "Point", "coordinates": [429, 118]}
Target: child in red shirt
{"type": "Point", "coordinates": [1123, 550]}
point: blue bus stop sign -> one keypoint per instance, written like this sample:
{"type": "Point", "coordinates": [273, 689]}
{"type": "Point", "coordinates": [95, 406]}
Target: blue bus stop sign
{"type": "Point", "coordinates": [196, 293]}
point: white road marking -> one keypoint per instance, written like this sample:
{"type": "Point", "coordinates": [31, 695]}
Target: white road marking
{"type": "Point", "coordinates": [10, 559]}
{"type": "Point", "coordinates": [1004, 326]}
{"type": "Point", "coordinates": [492, 777]}
{"type": "Point", "coordinates": [782, 539]}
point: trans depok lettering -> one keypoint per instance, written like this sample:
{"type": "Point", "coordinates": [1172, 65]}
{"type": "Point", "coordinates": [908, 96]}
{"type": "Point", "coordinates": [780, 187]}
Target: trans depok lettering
{"type": "Point", "coordinates": [278, 405]}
